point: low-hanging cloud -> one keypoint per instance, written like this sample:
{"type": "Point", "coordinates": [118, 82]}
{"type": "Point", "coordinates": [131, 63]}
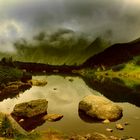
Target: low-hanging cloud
{"type": "Point", "coordinates": [116, 20]}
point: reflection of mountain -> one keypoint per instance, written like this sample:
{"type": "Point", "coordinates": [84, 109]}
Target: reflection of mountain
{"type": "Point", "coordinates": [116, 54]}
{"type": "Point", "coordinates": [115, 90]}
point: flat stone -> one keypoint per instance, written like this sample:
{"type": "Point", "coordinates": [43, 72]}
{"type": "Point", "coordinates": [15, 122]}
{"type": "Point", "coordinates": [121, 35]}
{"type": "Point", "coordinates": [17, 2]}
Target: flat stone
{"type": "Point", "coordinates": [38, 82]}
{"type": "Point", "coordinates": [119, 126]}
{"type": "Point", "coordinates": [31, 108]}
{"type": "Point", "coordinates": [109, 130]}
{"type": "Point", "coordinates": [53, 117]}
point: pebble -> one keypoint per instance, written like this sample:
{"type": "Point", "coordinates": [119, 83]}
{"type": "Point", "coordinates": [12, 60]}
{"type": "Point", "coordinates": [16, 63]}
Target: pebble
{"type": "Point", "coordinates": [106, 121]}
{"type": "Point", "coordinates": [109, 130]}
{"type": "Point", "coordinates": [119, 126]}
{"type": "Point", "coordinates": [126, 123]}
{"type": "Point", "coordinates": [21, 120]}
{"type": "Point", "coordinates": [53, 117]}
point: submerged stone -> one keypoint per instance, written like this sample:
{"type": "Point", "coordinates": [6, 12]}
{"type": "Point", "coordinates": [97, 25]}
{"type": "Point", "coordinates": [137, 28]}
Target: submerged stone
{"type": "Point", "coordinates": [53, 117]}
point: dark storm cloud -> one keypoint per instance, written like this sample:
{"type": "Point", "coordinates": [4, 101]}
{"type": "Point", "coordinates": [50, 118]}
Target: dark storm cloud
{"type": "Point", "coordinates": [115, 19]}
{"type": "Point", "coordinates": [45, 12]}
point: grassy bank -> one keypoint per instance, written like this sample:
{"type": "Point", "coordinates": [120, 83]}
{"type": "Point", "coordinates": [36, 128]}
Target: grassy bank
{"type": "Point", "coordinates": [9, 74]}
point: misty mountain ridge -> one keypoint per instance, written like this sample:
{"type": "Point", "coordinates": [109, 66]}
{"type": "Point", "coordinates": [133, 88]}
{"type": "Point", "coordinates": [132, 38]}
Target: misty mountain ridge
{"type": "Point", "coordinates": [71, 48]}
{"type": "Point", "coordinates": [61, 47]}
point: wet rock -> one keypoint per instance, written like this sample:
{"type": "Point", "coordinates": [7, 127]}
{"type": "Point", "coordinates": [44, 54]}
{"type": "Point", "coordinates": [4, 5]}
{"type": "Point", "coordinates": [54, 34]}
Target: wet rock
{"type": "Point", "coordinates": [16, 87]}
{"type": "Point", "coordinates": [10, 89]}
{"type": "Point", "coordinates": [109, 130]}
{"type": "Point", "coordinates": [119, 126]}
{"type": "Point", "coordinates": [99, 107]}
{"type": "Point", "coordinates": [53, 117]}
{"type": "Point", "coordinates": [9, 127]}
{"type": "Point", "coordinates": [31, 108]}
{"type": "Point", "coordinates": [38, 82]}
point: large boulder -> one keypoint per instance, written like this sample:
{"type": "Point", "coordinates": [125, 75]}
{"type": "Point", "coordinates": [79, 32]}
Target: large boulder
{"type": "Point", "coordinates": [100, 108]}
{"type": "Point", "coordinates": [31, 108]}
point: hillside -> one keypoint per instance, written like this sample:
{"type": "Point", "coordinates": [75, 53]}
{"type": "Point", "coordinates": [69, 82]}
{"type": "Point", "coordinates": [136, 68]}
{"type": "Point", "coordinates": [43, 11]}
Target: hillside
{"type": "Point", "coordinates": [114, 55]}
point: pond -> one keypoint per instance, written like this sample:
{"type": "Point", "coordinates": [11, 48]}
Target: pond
{"type": "Point", "coordinates": [64, 94]}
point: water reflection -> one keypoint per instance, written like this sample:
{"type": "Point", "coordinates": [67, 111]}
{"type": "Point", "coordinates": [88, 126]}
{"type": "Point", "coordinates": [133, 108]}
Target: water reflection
{"type": "Point", "coordinates": [30, 124]}
{"type": "Point", "coordinates": [115, 89]}
{"type": "Point", "coordinates": [87, 118]}
{"type": "Point", "coordinates": [64, 95]}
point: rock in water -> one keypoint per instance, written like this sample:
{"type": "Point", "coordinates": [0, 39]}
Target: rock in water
{"type": "Point", "coordinates": [109, 130]}
{"type": "Point", "coordinates": [119, 126]}
{"type": "Point", "coordinates": [106, 121]}
{"type": "Point", "coordinates": [53, 117]}
{"type": "Point", "coordinates": [100, 108]}
{"type": "Point", "coordinates": [31, 109]}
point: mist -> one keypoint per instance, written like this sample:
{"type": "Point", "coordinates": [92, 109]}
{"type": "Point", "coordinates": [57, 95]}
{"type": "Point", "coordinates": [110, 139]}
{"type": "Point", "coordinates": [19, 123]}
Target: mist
{"type": "Point", "coordinates": [61, 47]}
{"type": "Point", "coordinates": [115, 21]}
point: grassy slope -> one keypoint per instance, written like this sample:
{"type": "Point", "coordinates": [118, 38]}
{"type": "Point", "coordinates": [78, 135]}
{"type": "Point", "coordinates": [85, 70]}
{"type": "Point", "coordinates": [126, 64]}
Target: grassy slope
{"type": "Point", "coordinates": [129, 73]}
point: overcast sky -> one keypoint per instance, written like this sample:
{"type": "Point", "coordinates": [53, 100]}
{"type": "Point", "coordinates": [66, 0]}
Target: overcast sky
{"type": "Point", "coordinates": [118, 20]}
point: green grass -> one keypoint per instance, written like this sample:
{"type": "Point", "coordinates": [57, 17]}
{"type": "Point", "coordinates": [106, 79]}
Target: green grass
{"type": "Point", "coordinates": [9, 74]}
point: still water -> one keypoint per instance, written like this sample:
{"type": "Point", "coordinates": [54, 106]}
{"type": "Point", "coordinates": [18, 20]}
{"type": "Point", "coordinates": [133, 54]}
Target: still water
{"type": "Point", "coordinates": [64, 94]}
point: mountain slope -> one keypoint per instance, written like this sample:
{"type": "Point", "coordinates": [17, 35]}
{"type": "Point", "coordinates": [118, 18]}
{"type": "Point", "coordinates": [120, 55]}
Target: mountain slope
{"type": "Point", "coordinates": [116, 54]}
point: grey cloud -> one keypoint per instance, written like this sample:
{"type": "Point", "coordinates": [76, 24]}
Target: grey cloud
{"type": "Point", "coordinates": [95, 17]}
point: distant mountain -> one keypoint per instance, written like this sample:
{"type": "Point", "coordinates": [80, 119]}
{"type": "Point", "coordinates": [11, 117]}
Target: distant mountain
{"type": "Point", "coordinates": [116, 54]}
{"type": "Point", "coordinates": [60, 48]}
{"type": "Point", "coordinates": [97, 46]}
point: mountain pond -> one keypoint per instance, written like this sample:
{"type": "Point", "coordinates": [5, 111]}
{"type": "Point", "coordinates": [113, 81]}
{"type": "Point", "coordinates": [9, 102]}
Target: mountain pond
{"type": "Point", "coordinates": [64, 94]}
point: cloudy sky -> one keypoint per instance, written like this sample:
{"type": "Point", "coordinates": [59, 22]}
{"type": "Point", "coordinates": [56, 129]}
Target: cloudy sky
{"type": "Point", "coordinates": [118, 20]}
